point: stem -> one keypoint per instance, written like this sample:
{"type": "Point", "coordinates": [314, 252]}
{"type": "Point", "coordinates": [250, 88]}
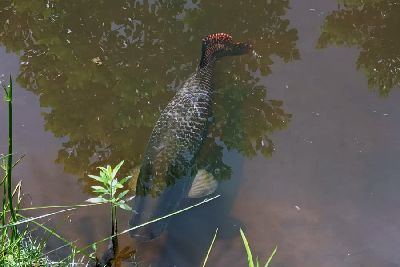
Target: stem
{"type": "Point", "coordinates": [3, 217]}
{"type": "Point", "coordinates": [3, 235]}
{"type": "Point", "coordinates": [112, 219]}
{"type": "Point", "coordinates": [9, 161]}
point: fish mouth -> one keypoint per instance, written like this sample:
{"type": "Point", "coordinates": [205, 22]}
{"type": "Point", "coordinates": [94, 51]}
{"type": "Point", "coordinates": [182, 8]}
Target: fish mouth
{"type": "Point", "coordinates": [242, 48]}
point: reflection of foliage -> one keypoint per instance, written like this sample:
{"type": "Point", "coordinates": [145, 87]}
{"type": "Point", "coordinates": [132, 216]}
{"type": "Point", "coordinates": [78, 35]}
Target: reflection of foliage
{"type": "Point", "coordinates": [106, 69]}
{"type": "Point", "coordinates": [371, 26]}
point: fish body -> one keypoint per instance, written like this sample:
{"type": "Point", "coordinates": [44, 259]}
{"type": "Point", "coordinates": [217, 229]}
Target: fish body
{"type": "Point", "coordinates": [166, 177]}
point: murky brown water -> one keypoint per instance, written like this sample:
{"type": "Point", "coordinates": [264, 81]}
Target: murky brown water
{"type": "Point", "coordinates": [323, 99]}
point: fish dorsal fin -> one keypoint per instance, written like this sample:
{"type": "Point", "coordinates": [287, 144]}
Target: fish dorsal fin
{"type": "Point", "coordinates": [203, 184]}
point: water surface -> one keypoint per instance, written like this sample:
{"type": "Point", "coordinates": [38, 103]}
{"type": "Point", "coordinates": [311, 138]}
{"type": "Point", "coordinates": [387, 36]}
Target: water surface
{"type": "Point", "coordinates": [305, 138]}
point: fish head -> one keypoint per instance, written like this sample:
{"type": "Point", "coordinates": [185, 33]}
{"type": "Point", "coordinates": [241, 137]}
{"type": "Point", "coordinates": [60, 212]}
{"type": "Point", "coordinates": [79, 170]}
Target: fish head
{"type": "Point", "coordinates": [149, 232]}
{"type": "Point", "coordinates": [145, 210]}
{"type": "Point", "coordinates": [221, 44]}
{"type": "Point", "coordinates": [240, 48]}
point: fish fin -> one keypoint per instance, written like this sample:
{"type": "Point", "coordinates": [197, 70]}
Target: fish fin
{"type": "Point", "coordinates": [133, 181]}
{"type": "Point", "coordinates": [203, 184]}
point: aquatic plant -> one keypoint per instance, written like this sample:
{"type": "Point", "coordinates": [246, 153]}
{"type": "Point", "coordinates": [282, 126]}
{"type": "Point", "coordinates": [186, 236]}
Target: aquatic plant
{"type": "Point", "coordinates": [210, 248]}
{"type": "Point", "coordinates": [250, 259]}
{"type": "Point", "coordinates": [107, 192]}
{"type": "Point", "coordinates": [7, 165]}
{"type": "Point", "coordinates": [250, 256]}
{"type": "Point", "coordinates": [17, 247]}
{"type": "Point", "coordinates": [10, 240]}
{"type": "Point", "coordinates": [30, 252]}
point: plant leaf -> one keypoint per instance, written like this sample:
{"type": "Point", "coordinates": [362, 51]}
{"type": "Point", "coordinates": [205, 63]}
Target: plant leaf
{"type": "Point", "coordinates": [102, 169]}
{"type": "Point", "coordinates": [97, 200]}
{"type": "Point", "coordinates": [122, 194]}
{"type": "Point", "coordinates": [248, 250]}
{"type": "Point", "coordinates": [99, 189]}
{"type": "Point", "coordinates": [124, 206]}
{"type": "Point", "coordinates": [270, 257]}
{"type": "Point", "coordinates": [123, 180]}
{"type": "Point", "coordinates": [97, 178]}
{"type": "Point", "coordinates": [116, 169]}
{"type": "Point", "coordinates": [109, 171]}
{"type": "Point", "coordinates": [209, 249]}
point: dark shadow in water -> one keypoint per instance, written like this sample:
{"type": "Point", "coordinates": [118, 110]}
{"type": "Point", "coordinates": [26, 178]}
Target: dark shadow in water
{"type": "Point", "coordinates": [103, 71]}
{"type": "Point", "coordinates": [372, 27]}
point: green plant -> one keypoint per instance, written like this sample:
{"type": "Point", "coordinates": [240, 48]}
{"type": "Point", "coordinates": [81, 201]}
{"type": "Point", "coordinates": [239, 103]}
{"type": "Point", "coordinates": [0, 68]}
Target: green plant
{"type": "Point", "coordinates": [31, 252]}
{"type": "Point", "coordinates": [210, 248]}
{"type": "Point", "coordinates": [249, 254]}
{"type": "Point", "coordinates": [17, 247]}
{"type": "Point", "coordinates": [7, 165]}
{"type": "Point", "coordinates": [107, 192]}
{"type": "Point", "coordinates": [248, 251]}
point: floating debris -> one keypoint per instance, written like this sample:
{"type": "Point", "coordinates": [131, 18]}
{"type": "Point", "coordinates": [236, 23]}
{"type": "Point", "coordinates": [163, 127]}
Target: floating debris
{"type": "Point", "coordinates": [255, 54]}
{"type": "Point", "coordinates": [97, 61]}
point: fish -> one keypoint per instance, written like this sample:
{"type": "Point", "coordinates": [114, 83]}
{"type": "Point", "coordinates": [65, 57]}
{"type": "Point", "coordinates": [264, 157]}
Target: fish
{"type": "Point", "coordinates": [166, 175]}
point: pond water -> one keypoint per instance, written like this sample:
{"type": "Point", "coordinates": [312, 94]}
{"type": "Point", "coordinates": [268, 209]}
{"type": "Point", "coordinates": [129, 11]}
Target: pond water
{"type": "Point", "coordinates": [305, 137]}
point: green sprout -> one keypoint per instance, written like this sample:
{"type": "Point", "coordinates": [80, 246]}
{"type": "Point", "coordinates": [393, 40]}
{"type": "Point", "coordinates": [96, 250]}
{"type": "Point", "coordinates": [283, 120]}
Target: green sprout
{"type": "Point", "coordinates": [107, 192]}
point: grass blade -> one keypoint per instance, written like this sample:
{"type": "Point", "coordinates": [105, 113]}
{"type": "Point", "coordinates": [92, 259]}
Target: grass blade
{"type": "Point", "coordinates": [209, 249]}
{"type": "Point", "coordinates": [270, 257]}
{"type": "Point", "coordinates": [248, 250]}
{"type": "Point", "coordinates": [34, 218]}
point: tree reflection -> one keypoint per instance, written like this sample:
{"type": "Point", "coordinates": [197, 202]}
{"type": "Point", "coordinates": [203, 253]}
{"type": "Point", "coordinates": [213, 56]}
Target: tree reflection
{"type": "Point", "coordinates": [104, 71]}
{"type": "Point", "coordinates": [371, 26]}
